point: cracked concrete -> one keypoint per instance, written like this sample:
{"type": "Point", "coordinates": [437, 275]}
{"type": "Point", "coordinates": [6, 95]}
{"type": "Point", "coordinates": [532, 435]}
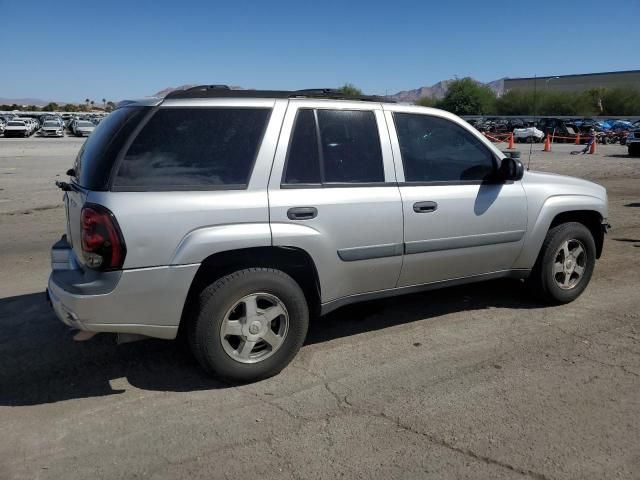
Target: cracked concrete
{"type": "Point", "coordinates": [470, 382]}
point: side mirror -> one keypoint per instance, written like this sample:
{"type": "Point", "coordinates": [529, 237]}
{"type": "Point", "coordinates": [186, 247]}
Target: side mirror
{"type": "Point", "coordinates": [511, 169]}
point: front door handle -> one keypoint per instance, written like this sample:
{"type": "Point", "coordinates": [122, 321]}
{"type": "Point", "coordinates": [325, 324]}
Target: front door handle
{"type": "Point", "coordinates": [302, 213]}
{"type": "Point", "coordinates": [425, 207]}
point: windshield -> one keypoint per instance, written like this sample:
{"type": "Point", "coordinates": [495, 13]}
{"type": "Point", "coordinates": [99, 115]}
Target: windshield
{"type": "Point", "coordinates": [51, 124]}
{"type": "Point", "coordinates": [16, 124]}
{"type": "Point", "coordinates": [85, 124]}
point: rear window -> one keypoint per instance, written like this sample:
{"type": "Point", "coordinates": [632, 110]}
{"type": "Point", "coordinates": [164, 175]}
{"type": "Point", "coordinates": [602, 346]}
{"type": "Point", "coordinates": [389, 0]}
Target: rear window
{"type": "Point", "coordinates": [97, 156]}
{"type": "Point", "coordinates": [194, 148]}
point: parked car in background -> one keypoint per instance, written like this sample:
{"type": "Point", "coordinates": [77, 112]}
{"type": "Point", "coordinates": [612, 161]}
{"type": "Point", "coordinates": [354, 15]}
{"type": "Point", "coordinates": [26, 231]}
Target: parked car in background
{"type": "Point", "coordinates": [17, 128]}
{"type": "Point", "coordinates": [83, 128]}
{"type": "Point", "coordinates": [633, 142]}
{"type": "Point", "coordinates": [528, 135]}
{"type": "Point", "coordinates": [52, 128]}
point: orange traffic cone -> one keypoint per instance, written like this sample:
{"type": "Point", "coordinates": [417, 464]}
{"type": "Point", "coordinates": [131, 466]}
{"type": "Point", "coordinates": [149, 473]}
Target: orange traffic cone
{"type": "Point", "coordinates": [547, 144]}
{"type": "Point", "coordinates": [593, 147]}
{"type": "Point", "coordinates": [578, 139]}
{"type": "Point", "coordinates": [511, 145]}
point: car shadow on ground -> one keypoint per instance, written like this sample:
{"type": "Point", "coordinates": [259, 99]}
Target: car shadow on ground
{"type": "Point", "coordinates": [42, 364]}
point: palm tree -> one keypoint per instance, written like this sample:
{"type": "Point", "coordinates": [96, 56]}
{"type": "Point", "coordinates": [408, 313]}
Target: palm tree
{"type": "Point", "coordinates": [104, 103]}
{"type": "Point", "coordinates": [86, 101]}
{"type": "Point", "coordinates": [92, 104]}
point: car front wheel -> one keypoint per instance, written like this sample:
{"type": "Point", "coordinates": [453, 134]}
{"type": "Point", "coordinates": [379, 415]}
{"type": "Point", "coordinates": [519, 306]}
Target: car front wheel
{"type": "Point", "coordinates": [248, 325]}
{"type": "Point", "coordinates": [565, 263]}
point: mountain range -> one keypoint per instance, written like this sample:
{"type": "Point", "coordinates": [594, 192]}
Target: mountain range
{"type": "Point", "coordinates": [437, 91]}
{"type": "Point", "coordinates": [23, 101]}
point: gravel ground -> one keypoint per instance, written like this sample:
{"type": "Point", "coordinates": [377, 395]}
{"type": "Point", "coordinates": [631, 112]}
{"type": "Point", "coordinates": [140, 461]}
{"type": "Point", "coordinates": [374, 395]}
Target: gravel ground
{"type": "Point", "coordinates": [470, 382]}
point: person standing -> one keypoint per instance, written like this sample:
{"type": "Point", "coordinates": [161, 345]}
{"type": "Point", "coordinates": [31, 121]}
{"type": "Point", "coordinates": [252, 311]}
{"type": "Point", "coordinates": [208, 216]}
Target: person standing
{"type": "Point", "coordinates": [592, 138]}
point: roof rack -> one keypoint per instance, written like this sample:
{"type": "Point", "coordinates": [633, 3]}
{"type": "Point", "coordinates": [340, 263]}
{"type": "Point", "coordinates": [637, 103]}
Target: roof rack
{"type": "Point", "coordinates": [224, 91]}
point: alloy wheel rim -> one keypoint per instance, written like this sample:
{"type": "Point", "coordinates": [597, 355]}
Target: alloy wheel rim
{"type": "Point", "coordinates": [569, 264]}
{"type": "Point", "coordinates": [254, 328]}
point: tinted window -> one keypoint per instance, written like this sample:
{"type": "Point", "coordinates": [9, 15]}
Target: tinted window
{"type": "Point", "coordinates": [95, 160]}
{"type": "Point", "coordinates": [348, 152]}
{"type": "Point", "coordinates": [194, 147]}
{"type": "Point", "coordinates": [350, 146]}
{"type": "Point", "coordinates": [434, 149]}
{"type": "Point", "coordinates": [303, 159]}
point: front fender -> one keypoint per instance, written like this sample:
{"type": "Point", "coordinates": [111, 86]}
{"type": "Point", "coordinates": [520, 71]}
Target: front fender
{"type": "Point", "coordinates": [552, 207]}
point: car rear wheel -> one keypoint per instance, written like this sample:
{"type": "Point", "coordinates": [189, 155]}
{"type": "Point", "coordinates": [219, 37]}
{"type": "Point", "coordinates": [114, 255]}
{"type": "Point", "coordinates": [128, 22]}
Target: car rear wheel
{"type": "Point", "coordinates": [565, 263]}
{"type": "Point", "coordinates": [248, 325]}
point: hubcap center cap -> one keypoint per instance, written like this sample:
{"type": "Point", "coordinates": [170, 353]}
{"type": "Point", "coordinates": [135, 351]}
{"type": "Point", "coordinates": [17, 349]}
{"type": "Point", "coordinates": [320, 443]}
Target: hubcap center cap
{"type": "Point", "coordinates": [254, 328]}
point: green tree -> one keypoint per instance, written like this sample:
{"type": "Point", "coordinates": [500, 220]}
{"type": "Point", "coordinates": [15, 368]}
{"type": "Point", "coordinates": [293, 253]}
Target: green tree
{"type": "Point", "coordinates": [110, 106]}
{"type": "Point", "coordinates": [468, 97]}
{"type": "Point", "coordinates": [70, 107]}
{"type": "Point", "coordinates": [350, 89]}
{"type": "Point", "coordinates": [621, 101]}
{"type": "Point", "coordinates": [427, 102]}
{"type": "Point", "coordinates": [515, 102]}
{"type": "Point", "coordinates": [51, 107]}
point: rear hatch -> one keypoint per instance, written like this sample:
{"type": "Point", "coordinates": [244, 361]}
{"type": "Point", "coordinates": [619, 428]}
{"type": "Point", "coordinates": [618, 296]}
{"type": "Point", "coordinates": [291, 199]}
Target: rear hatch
{"type": "Point", "coordinates": [95, 163]}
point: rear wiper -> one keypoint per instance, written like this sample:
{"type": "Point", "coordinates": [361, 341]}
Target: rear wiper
{"type": "Point", "coordinates": [64, 186]}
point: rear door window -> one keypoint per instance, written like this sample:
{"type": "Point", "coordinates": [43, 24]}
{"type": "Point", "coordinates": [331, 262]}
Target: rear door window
{"type": "Point", "coordinates": [194, 148]}
{"type": "Point", "coordinates": [334, 147]}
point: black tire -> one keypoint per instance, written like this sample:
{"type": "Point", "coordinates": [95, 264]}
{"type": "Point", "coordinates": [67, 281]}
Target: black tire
{"type": "Point", "coordinates": [543, 280]}
{"type": "Point", "coordinates": [633, 149]}
{"type": "Point", "coordinates": [215, 301]}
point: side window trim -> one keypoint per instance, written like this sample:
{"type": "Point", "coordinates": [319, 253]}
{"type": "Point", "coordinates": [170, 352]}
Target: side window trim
{"type": "Point", "coordinates": [320, 148]}
{"type": "Point", "coordinates": [395, 140]}
{"type": "Point", "coordinates": [323, 183]}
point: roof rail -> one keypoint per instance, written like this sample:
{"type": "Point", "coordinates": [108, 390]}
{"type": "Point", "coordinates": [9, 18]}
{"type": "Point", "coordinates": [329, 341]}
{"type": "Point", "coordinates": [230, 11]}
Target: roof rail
{"type": "Point", "coordinates": [224, 91]}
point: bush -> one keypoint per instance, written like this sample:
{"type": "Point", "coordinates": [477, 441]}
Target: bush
{"type": "Point", "coordinates": [350, 89]}
{"type": "Point", "coordinates": [468, 97]}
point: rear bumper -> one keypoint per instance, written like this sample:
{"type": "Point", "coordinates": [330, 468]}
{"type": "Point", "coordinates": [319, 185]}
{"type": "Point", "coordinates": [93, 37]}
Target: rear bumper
{"type": "Point", "coordinates": [144, 301]}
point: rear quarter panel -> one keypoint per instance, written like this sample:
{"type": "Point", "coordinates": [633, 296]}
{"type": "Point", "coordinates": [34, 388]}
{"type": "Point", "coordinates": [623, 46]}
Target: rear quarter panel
{"type": "Point", "coordinates": [185, 227]}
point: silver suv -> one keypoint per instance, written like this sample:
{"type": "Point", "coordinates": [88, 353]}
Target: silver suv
{"type": "Point", "coordinates": [232, 216]}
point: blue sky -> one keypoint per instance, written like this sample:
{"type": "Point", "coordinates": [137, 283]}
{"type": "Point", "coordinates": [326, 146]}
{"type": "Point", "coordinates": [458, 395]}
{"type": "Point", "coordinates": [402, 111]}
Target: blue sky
{"type": "Point", "coordinates": [69, 50]}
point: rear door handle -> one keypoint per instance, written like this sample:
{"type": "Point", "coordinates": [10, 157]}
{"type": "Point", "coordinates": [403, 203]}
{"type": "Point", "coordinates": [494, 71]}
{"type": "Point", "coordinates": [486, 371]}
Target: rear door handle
{"type": "Point", "coordinates": [302, 213]}
{"type": "Point", "coordinates": [425, 207]}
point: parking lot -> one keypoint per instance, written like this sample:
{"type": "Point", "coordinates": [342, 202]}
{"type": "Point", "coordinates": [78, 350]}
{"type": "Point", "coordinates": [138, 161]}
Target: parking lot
{"type": "Point", "coordinates": [476, 381]}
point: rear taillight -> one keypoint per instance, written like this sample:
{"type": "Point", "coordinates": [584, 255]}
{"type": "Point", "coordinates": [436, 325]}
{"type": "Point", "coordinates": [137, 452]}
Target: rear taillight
{"type": "Point", "coordinates": [103, 247]}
